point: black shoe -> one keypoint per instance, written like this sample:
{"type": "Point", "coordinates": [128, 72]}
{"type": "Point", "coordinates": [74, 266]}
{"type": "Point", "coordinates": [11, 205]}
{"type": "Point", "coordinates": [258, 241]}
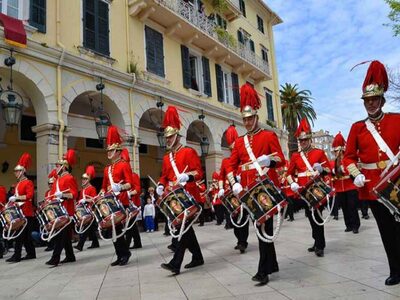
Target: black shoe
{"type": "Point", "coordinates": [135, 247]}
{"type": "Point", "coordinates": [68, 260]}
{"type": "Point", "coordinates": [171, 247]}
{"type": "Point", "coordinates": [242, 248]}
{"type": "Point", "coordinates": [78, 247]}
{"type": "Point", "coordinates": [194, 263]}
{"type": "Point", "coordinates": [201, 224]}
{"type": "Point", "coordinates": [366, 217]}
{"type": "Point", "coordinates": [311, 249]}
{"type": "Point", "coordinates": [290, 220]}
{"type": "Point", "coordinates": [48, 249]}
{"type": "Point", "coordinates": [262, 280]}
{"type": "Point", "coordinates": [116, 262]}
{"type": "Point", "coordinates": [319, 252]}
{"type": "Point", "coordinates": [124, 260]}
{"type": "Point", "coordinates": [236, 247]}
{"type": "Point", "coordinates": [256, 277]}
{"type": "Point", "coordinates": [347, 230]}
{"type": "Point", "coordinates": [53, 262]}
{"type": "Point", "coordinates": [94, 246]}
{"type": "Point", "coordinates": [170, 268]}
{"type": "Point", "coordinates": [13, 259]}
{"type": "Point", "coordinates": [392, 280]}
{"type": "Point", "coordinates": [27, 257]}
{"type": "Point", "coordinates": [336, 218]}
{"type": "Point", "coordinates": [275, 269]}
{"type": "Point", "coordinates": [355, 231]}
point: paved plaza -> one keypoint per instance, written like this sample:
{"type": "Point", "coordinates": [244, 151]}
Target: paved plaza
{"type": "Point", "coordinates": [354, 267]}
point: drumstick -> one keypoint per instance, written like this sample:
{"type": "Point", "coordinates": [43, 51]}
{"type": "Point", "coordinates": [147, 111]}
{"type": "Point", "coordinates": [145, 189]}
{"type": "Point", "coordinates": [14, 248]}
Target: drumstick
{"type": "Point", "coordinates": [152, 180]}
{"type": "Point", "coordinates": [49, 196]}
{"type": "Point", "coordinates": [250, 162]}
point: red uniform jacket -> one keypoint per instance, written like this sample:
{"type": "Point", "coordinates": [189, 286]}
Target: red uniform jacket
{"type": "Point", "coordinates": [361, 147]}
{"type": "Point", "coordinates": [297, 165]}
{"type": "Point", "coordinates": [136, 187]}
{"type": "Point", "coordinates": [26, 187]}
{"type": "Point", "coordinates": [213, 194]}
{"type": "Point", "coordinates": [3, 197]}
{"type": "Point", "coordinates": [262, 142]}
{"type": "Point", "coordinates": [68, 184]}
{"type": "Point", "coordinates": [185, 158]}
{"type": "Point", "coordinates": [341, 180]}
{"type": "Point", "coordinates": [121, 173]}
{"type": "Point", "coordinates": [202, 190]}
{"type": "Point", "coordinates": [88, 192]}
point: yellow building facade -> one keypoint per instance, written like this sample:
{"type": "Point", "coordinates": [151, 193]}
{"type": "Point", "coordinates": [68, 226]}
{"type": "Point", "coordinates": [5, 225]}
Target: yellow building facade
{"type": "Point", "coordinates": [148, 54]}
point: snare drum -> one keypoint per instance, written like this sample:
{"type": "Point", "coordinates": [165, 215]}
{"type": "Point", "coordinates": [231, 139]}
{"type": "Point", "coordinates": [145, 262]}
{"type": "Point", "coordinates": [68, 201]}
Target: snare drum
{"type": "Point", "coordinates": [316, 192]}
{"type": "Point", "coordinates": [263, 199]}
{"type": "Point", "coordinates": [53, 215]}
{"type": "Point", "coordinates": [12, 218]}
{"type": "Point", "coordinates": [83, 215]}
{"type": "Point", "coordinates": [176, 203]}
{"type": "Point", "coordinates": [132, 211]}
{"type": "Point", "coordinates": [106, 208]}
{"type": "Point", "coordinates": [388, 191]}
{"type": "Point", "coordinates": [231, 203]}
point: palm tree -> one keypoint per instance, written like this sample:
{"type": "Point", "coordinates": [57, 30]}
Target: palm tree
{"type": "Point", "coordinates": [296, 105]}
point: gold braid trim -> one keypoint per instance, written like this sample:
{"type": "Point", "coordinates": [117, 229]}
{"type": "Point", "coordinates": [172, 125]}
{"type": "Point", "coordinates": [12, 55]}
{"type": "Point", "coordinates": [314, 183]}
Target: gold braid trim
{"type": "Point", "coordinates": [221, 184]}
{"type": "Point", "coordinates": [290, 179]}
{"type": "Point", "coordinates": [353, 170]}
{"type": "Point", "coordinates": [231, 178]}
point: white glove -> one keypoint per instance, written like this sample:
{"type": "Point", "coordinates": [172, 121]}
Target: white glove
{"type": "Point", "coordinates": [294, 187]}
{"type": "Point", "coordinates": [58, 195]}
{"type": "Point", "coordinates": [318, 167]}
{"type": "Point", "coordinates": [116, 187]}
{"type": "Point", "coordinates": [183, 178]}
{"type": "Point", "coordinates": [12, 199]}
{"type": "Point", "coordinates": [221, 193]}
{"type": "Point", "coordinates": [160, 190]}
{"type": "Point", "coordinates": [82, 201]}
{"type": "Point", "coordinates": [238, 178]}
{"type": "Point", "coordinates": [264, 160]}
{"type": "Point", "coordinates": [237, 188]}
{"type": "Point", "coordinates": [359, 181]}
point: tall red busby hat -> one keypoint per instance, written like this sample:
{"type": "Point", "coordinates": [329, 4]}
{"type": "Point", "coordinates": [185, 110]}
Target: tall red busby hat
{"type": "Point", "coordinates": [171, 123]}
{"type": "Point", "coordinates": [231, 135]}
{"type": "Point", "coordinates": [90, 173]}
{"type": "Point", "coordinates": [303, 131]}
{"type": "Point", "coordinates": [125, 155]}
{"type": "Point", "coordinates": [376, 81]}
{"type": "Point", "coordinates": [215, 175]}
{"type": "Point", "coordinates": [69, 158]}
{"type": "Point", "coordinates": [114, 139]}
{"type": "Point", "coordinates": [52, 176]}
{"type": "Point", "coordinates": [249, 101]}
{"type": "Point", "coordinates": [339, 142]}
{"type": "Point", "coordinates": [25, 161]}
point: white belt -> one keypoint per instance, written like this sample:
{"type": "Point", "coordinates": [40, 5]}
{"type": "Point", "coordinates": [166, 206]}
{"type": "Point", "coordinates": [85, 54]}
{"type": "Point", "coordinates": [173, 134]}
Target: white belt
{"type": "Point", "coordinates": [307, 174]}
{"type": "Point", "coordinates": [249, 166]}
{"type": "Point", "coordinates": [374, 166]}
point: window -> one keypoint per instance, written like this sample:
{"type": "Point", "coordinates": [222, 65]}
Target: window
{"type": "Point", "coordinates": [221, 22]}
{"type": "Point", "coordinates": [244, 38]}
{"type": "Point", "coordinates": [154, 51]}
{"type": "Point", "coordinates": [26, 133]}
{"type": "Point", "coordinates": [96, 26]}
{"type": "Point", "coordinates": [242, 7]}
{"type": "Point", "coordinates": [260, 24]}
{"type": "Point", "coordinates": [12, 8]}
{"type": "Point", "coordinates": [94, 143]}
{"type": "Point", "coordinates": [270, 106]}
{"type": "Point", "coordinates": [143, 149]}
{"type": "Point", "coordinates": [227, 86]}
{"type": "Point", "coordinates": [37, 15]}
{"type": "Point", "coordinates": [264, 54]}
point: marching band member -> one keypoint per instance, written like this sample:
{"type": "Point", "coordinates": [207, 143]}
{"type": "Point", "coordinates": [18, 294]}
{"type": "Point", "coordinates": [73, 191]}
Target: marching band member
{"type": "Point", "coordinates": [256, 150]}
{"type": "Point", "coordinates": [290, 195]}
{"type": "Point", "coordinates": [216, 201]}
{"type": "Point", "coordinates": [307, 163]}
{"type": "Point", "coordinates": [202, 199]}
{"type": "Point", "coordinates": [3, 201]}
{"type": "Point", "coordinates": [182, 166]}
{"type": "Point", "coordinates": [375, 142]}
{"type": "Point", "coordinates": [86, 195]}
{"type": "Point", "coordinates": [64, 188]}
{"type": "Point", "coordinates": [50, 181]}
{"type": "Point", "coordinates": [241, 233]}
{"type": "Point", "coordinates": [346, 191]}
{"type": "Point", "coordinates": [24, 192]}
{"type": "Point", "coordinates": [118, 179]}
{"type": "Point", "coordinates": [134, 196]}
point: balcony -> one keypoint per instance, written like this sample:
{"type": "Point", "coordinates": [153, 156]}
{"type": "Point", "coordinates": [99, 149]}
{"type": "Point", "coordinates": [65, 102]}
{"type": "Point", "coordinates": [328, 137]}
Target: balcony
{"type": "Point", "coordinates": [232, 12]}
{"type": "Point", "coordinates": [185, 23]}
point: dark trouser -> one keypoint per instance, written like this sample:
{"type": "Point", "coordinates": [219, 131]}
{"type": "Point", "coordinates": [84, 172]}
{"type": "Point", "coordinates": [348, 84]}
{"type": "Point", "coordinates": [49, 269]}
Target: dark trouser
{"type": "Point", "coordinates": [228, 223]}
{"type": "Point", "coordinates": [25, 238]}
{"type": "Point", "coordinates": [364, 207]}
{"type": "Point", "coordinates": [317, 231]}
{"type": "Point", "coordinates": [349, 200]}
{"type": "Point", "coordinates": [336, 205]}
{"type": "Point", "coordinates": [120, 245]}
{"type": "Point", "coordinates": [267, 262]}
{"type": "Point", "coordinates": [201, 217]}
{"type": "Point", "coordinates": [188, 241]}
{"type": "Point", "coordinates": [63, 241]}
{"type": "Point", "coordinates": [91, 233]}
{"type": "Point", "coordinates": [290, 208]}
{"type": "Point", "coordinates": [390, 235]}
{"type": "Point", "coordinates": [133, 233]}
{"type": "Point", "coordinates": [242, 233]}
{"type": "Point", "coordinates": [219, 213]}
{"type": "Point", "coordinates": [156, 217]}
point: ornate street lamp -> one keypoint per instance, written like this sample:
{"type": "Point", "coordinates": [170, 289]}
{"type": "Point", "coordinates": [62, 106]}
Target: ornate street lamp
{"type": "Point", "coordinates": [160, 131]}
{"type": "Point", "coordinates": [11, 101]}
{"type": "Point", "coordinates": [204, 142]}
{"type": "Point", "coordinates": [101, 117]}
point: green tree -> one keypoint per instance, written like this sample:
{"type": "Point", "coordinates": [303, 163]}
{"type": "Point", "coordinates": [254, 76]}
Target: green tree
{"type": "Point", "coordinates": [394, 16]}
{"type": "Point", "coordinates": [296, 105]}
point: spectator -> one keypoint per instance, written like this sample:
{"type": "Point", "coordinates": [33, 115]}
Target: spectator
{"type": "Point", "coordinates": [149, 214]}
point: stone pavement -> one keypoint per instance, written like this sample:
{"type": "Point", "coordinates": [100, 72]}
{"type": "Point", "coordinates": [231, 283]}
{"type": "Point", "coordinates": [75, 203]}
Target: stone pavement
{"type": "Point", "coordinates": [354, 267]}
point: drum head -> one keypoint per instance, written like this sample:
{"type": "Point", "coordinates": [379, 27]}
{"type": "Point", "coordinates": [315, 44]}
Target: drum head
{"type": "Point", "coordinates": [388, 190]}
{"type": "Point", "coordinates": [316, 192]}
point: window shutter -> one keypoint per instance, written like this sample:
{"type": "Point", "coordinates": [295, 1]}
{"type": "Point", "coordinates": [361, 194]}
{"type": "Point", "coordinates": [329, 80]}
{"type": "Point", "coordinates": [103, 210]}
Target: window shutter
{"type": "Point", "coordinates": [150, 55]}
{"type": "Point", "coordinates": [242, 7]}
{"type": "Point", "coordinates": [252, 48]}
{"type": "Point", "coordinates": [235, 90]}
{"type": "Point", "coordinates": [103, 44]}
{"type": "Point", "coordinates": [240, 36]}
{"type": "Point", "coordinates": [89, 35]}
{"type": "Point", "coordinates": [154, 51]}
{"type": "Point", "coordinates": [37, 14]}
{"type": "Point", "coordinates": [206, 76]}
{"type": "Point", "coordinates": [186, 67]}
{"type": "Point", "coordinates": [270, 107]}
{"type": "Point", "coordinates": [159, 47]}
{"type": "Point", "coordinates": [220, 83]}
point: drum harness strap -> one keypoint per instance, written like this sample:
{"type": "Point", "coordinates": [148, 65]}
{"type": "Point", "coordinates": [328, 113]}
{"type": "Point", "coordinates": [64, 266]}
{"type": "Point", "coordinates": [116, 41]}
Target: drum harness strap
{"type": "Point", "coordinates": [263, 234]}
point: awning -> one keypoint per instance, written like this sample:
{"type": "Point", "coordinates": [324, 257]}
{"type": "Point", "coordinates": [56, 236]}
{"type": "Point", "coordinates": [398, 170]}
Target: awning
{"type": "Point", "coordinates": [14, 31]}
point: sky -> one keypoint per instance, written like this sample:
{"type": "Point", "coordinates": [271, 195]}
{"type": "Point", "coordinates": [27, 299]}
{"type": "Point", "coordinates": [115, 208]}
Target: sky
{"type": "Point", "coordinates": [319, 42]}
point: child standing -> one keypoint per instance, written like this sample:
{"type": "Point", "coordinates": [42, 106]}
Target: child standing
{"type": "Point", "coordinates": [149, 213]}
